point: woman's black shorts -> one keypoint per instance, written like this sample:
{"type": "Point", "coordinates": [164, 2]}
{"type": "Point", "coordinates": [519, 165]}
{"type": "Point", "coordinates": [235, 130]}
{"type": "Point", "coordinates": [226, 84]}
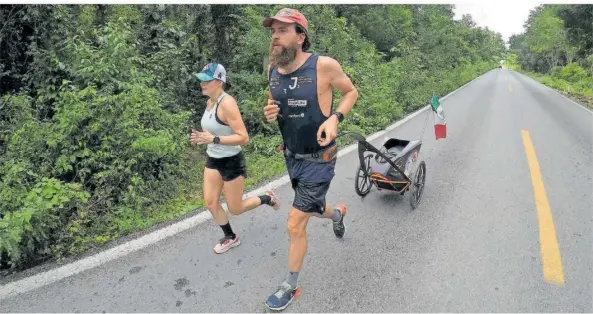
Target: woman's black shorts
{"type": "Point", "coordinates": [229, 168]}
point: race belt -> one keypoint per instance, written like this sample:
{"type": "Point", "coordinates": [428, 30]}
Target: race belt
{"type": "Point", "coordinates": [323, 156]}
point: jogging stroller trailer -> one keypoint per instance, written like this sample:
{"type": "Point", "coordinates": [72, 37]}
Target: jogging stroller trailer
{"type": "Point", "coordinates": [394, 167]}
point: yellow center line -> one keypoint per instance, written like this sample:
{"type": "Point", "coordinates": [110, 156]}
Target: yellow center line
{"type": "Point", "coordinates": [551, 261]}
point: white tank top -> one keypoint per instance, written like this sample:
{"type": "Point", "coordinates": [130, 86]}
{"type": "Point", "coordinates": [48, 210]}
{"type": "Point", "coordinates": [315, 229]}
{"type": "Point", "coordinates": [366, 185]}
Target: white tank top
{"type": "Point", "coordinates": [211, 123]}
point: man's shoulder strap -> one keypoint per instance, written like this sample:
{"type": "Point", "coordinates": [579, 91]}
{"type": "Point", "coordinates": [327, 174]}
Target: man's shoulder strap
{"type": "Point", "coordinates": [270, 68]}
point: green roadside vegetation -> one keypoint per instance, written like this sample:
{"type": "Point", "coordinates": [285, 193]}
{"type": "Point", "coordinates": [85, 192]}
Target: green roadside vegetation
{"type": "Point", "coordinates": [97, 102]}
{"type": "Point", "coordinates": [557, 50]}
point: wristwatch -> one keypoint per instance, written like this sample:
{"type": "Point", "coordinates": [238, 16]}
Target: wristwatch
{"type": "Point", "coordinates": [340, 116]}
{"type": "Point", "coordinates": [216, 140]}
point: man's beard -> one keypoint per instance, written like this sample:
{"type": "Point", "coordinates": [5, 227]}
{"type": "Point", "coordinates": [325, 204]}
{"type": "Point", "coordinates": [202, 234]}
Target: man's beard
{"type": "Point", "coordinates": [284, 57]}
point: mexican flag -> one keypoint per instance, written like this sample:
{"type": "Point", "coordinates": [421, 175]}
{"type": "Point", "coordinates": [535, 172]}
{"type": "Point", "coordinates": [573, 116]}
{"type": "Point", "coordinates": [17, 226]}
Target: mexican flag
{"type": "Point", "coordinates": [440, 123]}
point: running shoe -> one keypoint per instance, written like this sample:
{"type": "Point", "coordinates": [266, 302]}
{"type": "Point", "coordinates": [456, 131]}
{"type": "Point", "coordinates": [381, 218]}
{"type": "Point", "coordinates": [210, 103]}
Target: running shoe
{"type": "Point", "coordinates": [339, 227]}
{"type": "Point", "coordinates": [226, 244]}
{"type": "Point", "coordinates": [275, 203]}
{"type": "Point", "coordinates": [282, 297]}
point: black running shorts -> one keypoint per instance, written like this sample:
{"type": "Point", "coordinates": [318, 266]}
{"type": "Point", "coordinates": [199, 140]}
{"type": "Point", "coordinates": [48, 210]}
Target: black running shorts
{"type": "Point", "coordinates": [309, 196]}
{"type": "Point", "coordinates": [310, 182]}
{"type": "Point", "coordinates": [229, 168]}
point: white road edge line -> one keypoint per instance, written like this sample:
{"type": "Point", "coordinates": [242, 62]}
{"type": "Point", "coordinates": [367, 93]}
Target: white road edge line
{"type": "Point", "coordinates": [555, 91]}
{"type": "Point", "coordinates": [53, 275]}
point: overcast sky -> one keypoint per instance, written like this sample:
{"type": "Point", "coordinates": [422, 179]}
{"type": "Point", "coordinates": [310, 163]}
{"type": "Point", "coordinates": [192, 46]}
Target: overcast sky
{"type": "Point", "coordinates": [499, 17]}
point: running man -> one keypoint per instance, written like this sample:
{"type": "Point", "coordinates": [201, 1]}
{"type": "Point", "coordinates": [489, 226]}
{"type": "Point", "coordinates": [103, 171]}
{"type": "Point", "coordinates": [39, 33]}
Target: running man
{"type": "Point", "coordinates": [301, 86]}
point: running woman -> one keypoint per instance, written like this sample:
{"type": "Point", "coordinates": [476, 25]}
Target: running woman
{"type": "Point", "coordinates": [301, 86]}
{"type": "Point", "coordinates": [224, 132]}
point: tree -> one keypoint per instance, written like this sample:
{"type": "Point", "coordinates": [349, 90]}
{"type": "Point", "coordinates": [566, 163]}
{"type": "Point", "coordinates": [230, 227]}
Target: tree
{"type": "Point", "coordinates": [546, 36]}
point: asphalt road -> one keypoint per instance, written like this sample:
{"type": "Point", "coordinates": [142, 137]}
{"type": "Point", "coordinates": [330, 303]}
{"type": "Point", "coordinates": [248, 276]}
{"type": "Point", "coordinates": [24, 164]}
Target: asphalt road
{"type": "Point", "coordinates": [472, 245]}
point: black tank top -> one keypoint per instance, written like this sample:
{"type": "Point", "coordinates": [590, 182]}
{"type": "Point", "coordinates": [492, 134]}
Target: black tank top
{"type": "Point", "coordinates": [296, 95]}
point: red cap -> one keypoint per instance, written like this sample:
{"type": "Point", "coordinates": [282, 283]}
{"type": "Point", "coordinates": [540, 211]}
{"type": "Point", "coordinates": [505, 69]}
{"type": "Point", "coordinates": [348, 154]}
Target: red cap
{"type": "Point", "coordinates": [288, 15]}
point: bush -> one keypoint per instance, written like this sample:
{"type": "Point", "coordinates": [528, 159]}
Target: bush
{"type": "Point", "coordinates": [572, 73]}
{"type": "Point", "coordinates": [109, 148]}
